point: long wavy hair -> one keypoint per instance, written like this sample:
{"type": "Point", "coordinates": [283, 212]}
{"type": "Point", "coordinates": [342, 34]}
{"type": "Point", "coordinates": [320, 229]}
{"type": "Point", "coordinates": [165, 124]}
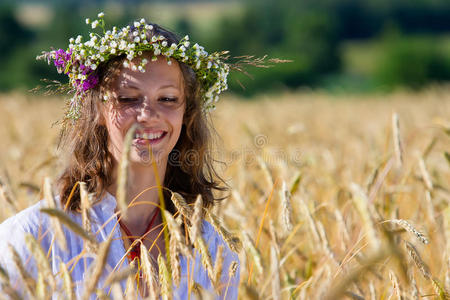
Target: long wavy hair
{"type": "Point", "coordinates": [190, 170]}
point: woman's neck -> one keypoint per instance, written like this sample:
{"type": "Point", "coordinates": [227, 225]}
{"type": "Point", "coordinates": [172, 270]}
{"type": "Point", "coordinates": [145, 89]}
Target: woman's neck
{"type": "Point", "coordinates": [142, 195]}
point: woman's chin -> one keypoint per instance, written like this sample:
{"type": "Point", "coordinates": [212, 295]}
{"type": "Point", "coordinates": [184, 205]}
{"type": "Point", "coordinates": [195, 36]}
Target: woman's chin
{"type": "Point", "coordinates": [143, 157]}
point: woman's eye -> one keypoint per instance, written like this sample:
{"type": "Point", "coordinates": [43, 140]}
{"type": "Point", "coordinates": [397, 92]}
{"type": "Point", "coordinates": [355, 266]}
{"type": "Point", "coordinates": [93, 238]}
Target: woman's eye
{"type": "Point", "coordinates": [168, 99]}
{"type": "Point", "coordinates": [127, 99]}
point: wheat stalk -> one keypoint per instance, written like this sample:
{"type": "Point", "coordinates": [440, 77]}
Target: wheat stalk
{"type": "Point", "coordinates": [233, 242]}
{"type": "Point", "coordinates": [395, 286]}
{"type": "Point", "coordinates": [218, 265]}
{"type": "Point", "coordinates": [255, 254]}
{"type": "Point", "coordinates": [398, 149]}
{"type": "Point", "coordinates": [425, 175]}
{"type": "Point", "coordinates": [130, 292]}
{"type": "Point", "coordinates": [29, 281]}
{"type": "Point", "coordinates": [408, 227]}
{"type": "Point", "coordinates": [286, 208]}
{"type": "Point", "coordinates": [91, 281]}
{"type": "Point", "coordinates": [181, 205]}
{"type": "Point", "coordinates": [415, 256]}
{"type": "Point", "coordinates": [197, 218]}
{"type": "Point", "coordinates": [206, 259]}
{"type": "Point", "coordinates": [6, 285]}
{"type": "Point", "coordinates": [122, 173]}
{"type": "Point", "coordinates": [77, 229]}
{"type": "Point", "coordinates": [67, 282]}
{"type": "Point", "coordinates": [120, 275]}
{"type": "Point", "coordinates": [164, 278]}
{"type": "Point", "coordinates": [54, 222]}
{"type": "Point", "coordinates": [149, 273]}
{"type": "Point", "coordinates": [439, 289]}
{"type": "Point", "coordinates": [275, 271]}
{"type": "Point", "coordinates": [175, 239]}
{"type": "Point", "coordinates": [85, 207]}
{"type": "Point", "coordinates": [362, 204]}
{"type": "Point", "coordinates": [41, 260]}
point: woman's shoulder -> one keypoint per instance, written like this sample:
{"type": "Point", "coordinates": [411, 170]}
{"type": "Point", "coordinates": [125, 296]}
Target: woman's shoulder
{"type": "Point", "coordinates": [28, 220]}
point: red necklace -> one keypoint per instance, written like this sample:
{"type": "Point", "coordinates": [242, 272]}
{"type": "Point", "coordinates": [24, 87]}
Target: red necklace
{"type": "Point", "coordinates": [135, 252]}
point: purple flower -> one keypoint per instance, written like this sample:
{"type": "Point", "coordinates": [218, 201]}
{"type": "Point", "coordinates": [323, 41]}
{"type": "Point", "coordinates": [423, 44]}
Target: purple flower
{"type": "Point", "coordinates": [90, 82]}
{"type": "Point", "coordinates": [61, 58]}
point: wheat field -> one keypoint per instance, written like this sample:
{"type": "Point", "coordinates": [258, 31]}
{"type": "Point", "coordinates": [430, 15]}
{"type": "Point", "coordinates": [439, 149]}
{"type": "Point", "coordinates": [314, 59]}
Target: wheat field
{"type": "Point", "coordinates": [332, 196]}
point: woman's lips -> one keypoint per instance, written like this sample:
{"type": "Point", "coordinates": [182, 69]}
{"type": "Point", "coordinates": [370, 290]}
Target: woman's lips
{"type": "Point", "coordinates": [152, 139]}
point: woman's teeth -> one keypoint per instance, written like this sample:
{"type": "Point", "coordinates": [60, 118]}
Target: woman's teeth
{"type": "Point", "coordinates": [149, 136]}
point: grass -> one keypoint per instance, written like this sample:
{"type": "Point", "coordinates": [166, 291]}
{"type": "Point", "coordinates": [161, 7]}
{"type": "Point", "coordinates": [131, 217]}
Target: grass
{"type": "Point", "coordinates": [357, 220]}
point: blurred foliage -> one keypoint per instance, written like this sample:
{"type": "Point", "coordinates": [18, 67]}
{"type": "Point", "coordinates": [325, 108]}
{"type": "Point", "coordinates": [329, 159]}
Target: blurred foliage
{"type": "Point", "coordinates": [412, 61]}
{"type": "Point", "coordinates": [312, 33]}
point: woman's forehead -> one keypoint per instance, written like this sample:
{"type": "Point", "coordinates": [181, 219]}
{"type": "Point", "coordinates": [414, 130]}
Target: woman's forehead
{"type": "Point", "coordinates": [157, 74]}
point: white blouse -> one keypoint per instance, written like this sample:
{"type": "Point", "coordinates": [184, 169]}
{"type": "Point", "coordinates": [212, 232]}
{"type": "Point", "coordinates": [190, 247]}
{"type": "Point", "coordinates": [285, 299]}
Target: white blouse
{"type": "Point", "coordinates": [31, 220]}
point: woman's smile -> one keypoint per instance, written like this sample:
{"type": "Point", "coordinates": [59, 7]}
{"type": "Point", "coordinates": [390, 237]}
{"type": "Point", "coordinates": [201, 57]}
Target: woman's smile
{"type": "Point", "coordinates": [149, 137]}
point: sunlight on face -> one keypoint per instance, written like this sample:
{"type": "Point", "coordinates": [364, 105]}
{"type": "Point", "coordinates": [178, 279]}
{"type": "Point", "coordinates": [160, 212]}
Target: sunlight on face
{"type": "Point", "coordinates": [155, 101]}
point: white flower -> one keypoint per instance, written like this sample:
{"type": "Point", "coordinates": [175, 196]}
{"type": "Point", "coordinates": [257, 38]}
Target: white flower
{"type": "Point", "coordinates": [88, 21]}
{"type": "Point", "coordinates": [113, 51]}
{"type": "Point", "coordinates": [133, 67]}
{"type": "Point", "coordinates": [78, 39]}
{"type": "Point", "coordinates": [154, 58]}
{"type": "Point", "coordinates": [186, 37]}
{"type": "Point", "coordinates": [122, 45]}
{"type": "Point", "coordinates": [113, 44]}
{"type": "Point", "coordinates": [182, 48]}
{"type": "Point", "coordinates": [186, 44]}
{"type": "Point", "coordinates": [94, 24]}
{"type": "Point", "coordinates": [164, 44]}
{"type": "Point", "coordinates": [169, 62]}
{"type": "Point", "coordinates": [140, 68]}
{"type": "Point", "coordinates": [102, 48]}
{"type": "Point", "coordinates": [142, 21]}
{"type": "Point", "coordinates": [136, 24]}
{"type": "Point", "coordinates": [144, 61]}
{"type": "Point", "coordinates": [137, 39]}
{"type": "Point", "coordinates": [209, 65]}
{"type": "Point", "coordinates": [143, 36]}
{"type": "Point", "coordinates": [101, 15]}
{"type": "Point", "coordinates": [105, 97]}
{"type": "Point", "coordinates": [93, 66]}
{"type": "Point", "coordinates": [71, 40]}
{"type": "Point", "coordinates": [157, 51]}
{"type": "Point", "coordinates": [126, 64]}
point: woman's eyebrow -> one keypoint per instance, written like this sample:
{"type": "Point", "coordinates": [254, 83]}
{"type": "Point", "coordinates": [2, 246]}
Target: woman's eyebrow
{"type": "Point", "coordinates": [128, 85]}
{"type": "Point", "coordinates": [169, 85]}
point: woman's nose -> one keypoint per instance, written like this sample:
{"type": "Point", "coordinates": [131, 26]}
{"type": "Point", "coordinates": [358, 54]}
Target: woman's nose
{"type": "Point", "coordinates": [147, 111]}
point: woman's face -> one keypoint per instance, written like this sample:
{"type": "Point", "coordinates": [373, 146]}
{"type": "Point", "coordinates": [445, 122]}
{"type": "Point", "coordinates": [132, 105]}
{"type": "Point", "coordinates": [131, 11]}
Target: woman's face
{"type": "Point", "coordinates": [155, 101]}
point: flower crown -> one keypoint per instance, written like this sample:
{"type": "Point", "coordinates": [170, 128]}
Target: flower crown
{"type": "Point", "coordinates": [82, 59]}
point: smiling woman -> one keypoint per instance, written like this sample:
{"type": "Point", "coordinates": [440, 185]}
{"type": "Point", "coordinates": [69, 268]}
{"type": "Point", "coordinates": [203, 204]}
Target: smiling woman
{"type": "Point", "coordinates": [140, 80]}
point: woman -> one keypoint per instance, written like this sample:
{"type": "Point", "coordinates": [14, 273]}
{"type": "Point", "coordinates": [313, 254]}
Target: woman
{"type": "Point", "coordinates": [143, 83]}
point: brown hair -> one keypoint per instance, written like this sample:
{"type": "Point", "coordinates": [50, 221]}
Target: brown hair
{"type": "Point", "coordinates": [190, 169]}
